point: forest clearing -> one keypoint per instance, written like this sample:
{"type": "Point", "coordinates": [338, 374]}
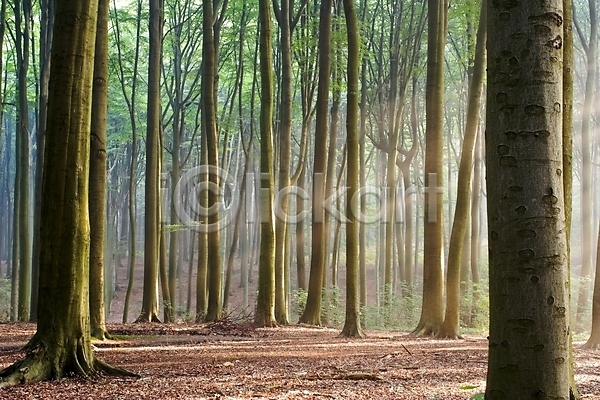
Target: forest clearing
{"type": "Point", "coordinates": [229, 361]}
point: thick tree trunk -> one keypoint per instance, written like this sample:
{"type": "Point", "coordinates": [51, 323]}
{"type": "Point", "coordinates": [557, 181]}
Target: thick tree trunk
{"type": "Point", "coordinates": [529, 299]}
{"type": "Point", "coordinates": [62, 344]}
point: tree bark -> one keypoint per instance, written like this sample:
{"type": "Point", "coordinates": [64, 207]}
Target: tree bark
{"type": "Point", "coordinates": [265, 302]}
{"type": "Point", "coordinates": [529, 300]}
{"type": "Point", "coordinates": [352, 325]}
{"type": "Point", "coordinates": [450, 327]}
{"type": "Point", "coordinates": [62, 345]}
{"type": "Point", "coordinates": [97, 195]}
{"type": "Point", "coordinates": [149, 312]}
{"type": "Point", "coordinates": [312, 311]}
{"type": "Point", "coordinates": [433, 277]}
{"type": "Point", "coordinates": [209, 77]}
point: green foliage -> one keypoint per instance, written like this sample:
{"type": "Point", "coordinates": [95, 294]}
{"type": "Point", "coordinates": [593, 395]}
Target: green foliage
{"type": "Point", "coordinates": [299, 297]}
{"type": "Point", "coordinates": [394, 312]}
{"type": "Point", "coordinates": [474, 308]}
{"type": "Point", "coordinates": [4, 299]}
{"type": "Point", "coordinates": [332, 307]}
{"type": "Point", "coordinates": [477, 396]}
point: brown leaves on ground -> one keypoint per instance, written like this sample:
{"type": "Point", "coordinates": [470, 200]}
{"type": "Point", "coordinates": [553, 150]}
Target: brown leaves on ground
{"type": "Point", "coordinates": [227, 361]}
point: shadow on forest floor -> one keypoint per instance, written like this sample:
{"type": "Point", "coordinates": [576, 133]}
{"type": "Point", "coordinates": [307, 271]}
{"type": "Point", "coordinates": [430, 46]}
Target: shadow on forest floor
{"type": "Point", "coordinates": [228, 361]}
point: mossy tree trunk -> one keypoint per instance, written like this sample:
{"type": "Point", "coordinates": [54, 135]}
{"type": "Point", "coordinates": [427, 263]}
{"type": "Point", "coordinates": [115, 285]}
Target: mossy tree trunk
{"type": "Point", "coordinates": [97, 194]}
{"type": "Point", "coordinates": [61, 345]}
{"type": "Point", "coordinates": [432, 315]}
{"type": "Point", "coordinates": [312, 311]}
{"type": "Point", "coordinates": [529, 342]}
{"type": "Point", "coordinates": [46, 27]}
{"type": "Point", "coordinates": [209, 77]}
{"type": "Point", "coordinates": [149, 312]}
{"type": "Point", "coordinates": [352, 326]}
{"type": "Point", "coordinates": [265, 302]}
{"type": "Point", "coordinates": [22, 11]}
{"type": "Point", "coordinates": [450, 327]}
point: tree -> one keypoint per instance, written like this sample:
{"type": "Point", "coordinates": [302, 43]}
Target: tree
{"type": "Point", "coordinates": [149, 312]}
{"type": "Point", "coordinates": [97, 190]}
{"type": "Point", "coordinates": [587, 255]}
{"type": "Point", "coordinates": [61, 345]}
{"type": "Point", "coordinates": [449, 328]}
{"type": "Point", "coordinates": [209, 95]}
{"type": "Point", "coordinates": [46, 28]}
{"type": "Point", "coordinates": [312, 311]}
{"type": "Point", "coordinates": [352, 326]}
{"type": "Point", "coordinates": [433, 281]}
{"type": "Point", "coordinates": [22, 11]}
{"type": "Point", "coordinates": [265, 302]}
{"type": "Point", "coordinates": [529, 342]}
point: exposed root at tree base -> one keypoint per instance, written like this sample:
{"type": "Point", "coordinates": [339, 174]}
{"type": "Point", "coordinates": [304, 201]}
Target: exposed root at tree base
{"type": "Point", "coordinates": [38, 365]}
{"type": "Point", "coordinates": [448, 334]}
{"type": "Point", "coordinates": [101, 334]}
{"type": "Point", "coordinates": [591, 345]}
{"type": "Point", "coordinates": [424, 329]}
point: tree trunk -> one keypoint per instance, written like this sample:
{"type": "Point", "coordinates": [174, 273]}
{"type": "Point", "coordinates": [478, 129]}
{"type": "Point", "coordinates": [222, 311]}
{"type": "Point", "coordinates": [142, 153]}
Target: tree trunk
{"type": "Point", "coordinates": [62, 345]}
{"type": "Point", "coordinates": [209, 77]}
{"type": "Point", "coordinates": [433, 277]}
{"type": "Point", "coordinates": [97, 195]}
{"type": "Point", "coordinates": [46, 28]}
{"type": "Point", "coordinates": [587, 255]}
{"type": "Point", "coordinates": [265, 302]}
{"type": "Point", "coordinates": [149, 312]}
{"type": "Point", "coordinates": [450, 327]}
{"type": "Point", "coordinates": [529, 300]}
{"type": "Point", "coordinates": [22, 21]}
{"type": "Point", "coordinates": [312, 311]}
{"type": "Point", "coordinates": [352, 326]}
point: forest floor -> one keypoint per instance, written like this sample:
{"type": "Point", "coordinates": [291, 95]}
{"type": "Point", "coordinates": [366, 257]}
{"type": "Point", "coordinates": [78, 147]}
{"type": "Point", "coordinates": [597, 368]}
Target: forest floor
{"type": "Point", "coordinates": [237, 361]}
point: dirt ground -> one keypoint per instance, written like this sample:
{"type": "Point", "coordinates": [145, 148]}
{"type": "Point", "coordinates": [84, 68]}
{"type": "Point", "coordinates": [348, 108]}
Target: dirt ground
{"type": "Point", "coordinates": [229, 361]}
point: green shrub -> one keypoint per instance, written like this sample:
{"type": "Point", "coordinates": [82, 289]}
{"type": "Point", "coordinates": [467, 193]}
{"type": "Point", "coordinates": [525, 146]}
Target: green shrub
{"type": "Point", "coordinates": [4, 299]}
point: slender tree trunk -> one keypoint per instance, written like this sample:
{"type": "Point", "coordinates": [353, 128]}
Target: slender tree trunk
{"type": "Point", "coordinates": [97, 187]}
{"type": "Point", "coordinates": [209, 77]}
{"type": "Point", "coordinates": [352, 326]}
{"type": "Point", "coordinates": [46, 28]}
{"type": "Point", "coordinates": [22, 21]}
{"type": "Point", "coordinates": [149, 312]}
{"type": "Point", "coordinates": [265, 302]}
{"type": "Point", "coordinates": [450, 326]}
{"type": "Point", "coordinates": [433, 277]}
{"type": "Point", "coordinates": [312, 311]}
{"type": "Point", "coordinates": [587, 255]}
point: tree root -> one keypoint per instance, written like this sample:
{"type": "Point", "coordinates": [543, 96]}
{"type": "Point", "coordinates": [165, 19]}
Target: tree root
{"type": "Point", "coordinates": [40, 364]}
{"type": "Point", "coordinates": [144, 317]}
{"type": "Point", "coordinates": [424, 329]}
{"type": "Point", "coordinates": [101, 334]}
{"type": "Point", "coordinates": [591, 345]}
{"type": "Point", "coordinates": [450, 334]}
